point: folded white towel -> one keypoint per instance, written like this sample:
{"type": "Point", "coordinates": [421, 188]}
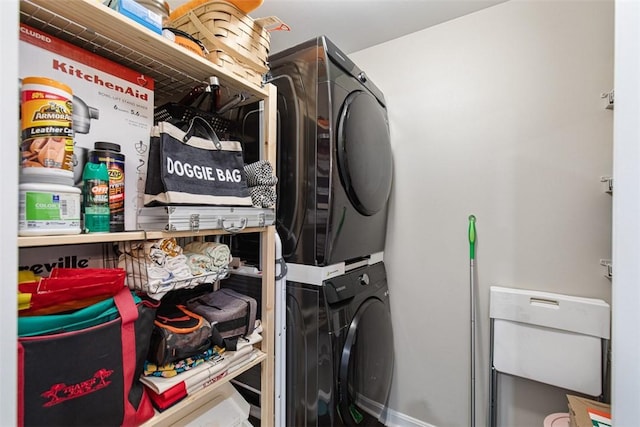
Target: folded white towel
{"type": "Point", "coordinates": [168, 245]}
{"type": "Point", "coordinates": [198, 263]}
{"type": "Point", "coordinates": [144, 251]}
{"type": "Point", "coordinates": [219, 253]}
{"type": "Point", "coordinates": [182, 272]}
{"type": "Point", "coordinates": [157, 256]}
{"type": "Point", "coordinates": [141, 274]}
{"type": "Point", "coordinates": [175, 262]}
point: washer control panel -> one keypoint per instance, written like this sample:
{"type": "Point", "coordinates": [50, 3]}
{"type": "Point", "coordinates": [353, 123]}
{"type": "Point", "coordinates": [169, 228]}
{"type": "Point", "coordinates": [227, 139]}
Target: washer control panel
{"type": "Point", "coordinates": [348, 285]}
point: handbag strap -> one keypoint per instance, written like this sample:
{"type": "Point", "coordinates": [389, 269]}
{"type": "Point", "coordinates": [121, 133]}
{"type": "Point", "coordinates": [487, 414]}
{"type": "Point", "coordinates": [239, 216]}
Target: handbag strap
{"type": "Point", "coordinates": [128, 313]}
{"type": "Point", "coordinates": [211, 134]}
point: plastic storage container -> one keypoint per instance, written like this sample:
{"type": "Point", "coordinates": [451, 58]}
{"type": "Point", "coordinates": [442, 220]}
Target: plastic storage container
{"type": "Point", "coordinates": [48, 209]}
{"type": "Point", "coordinates": [47, 126]}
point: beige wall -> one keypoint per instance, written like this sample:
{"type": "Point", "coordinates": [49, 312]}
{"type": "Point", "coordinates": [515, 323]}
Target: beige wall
{"type": "Point", "coordinates": [498, 114]}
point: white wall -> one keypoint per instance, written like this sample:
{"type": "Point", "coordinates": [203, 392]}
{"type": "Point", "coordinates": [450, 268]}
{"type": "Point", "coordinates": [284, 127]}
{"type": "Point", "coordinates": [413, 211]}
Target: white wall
{"type": "Point", "coordinates": [9, 120]}
{"type": "Point", "coordinates": [626, 211]}
{"type": "Point", "coordinates": [498, 114]}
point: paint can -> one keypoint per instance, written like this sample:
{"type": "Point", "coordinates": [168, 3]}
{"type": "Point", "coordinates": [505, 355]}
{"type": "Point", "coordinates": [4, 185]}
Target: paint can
{"type": "Point", "coordinates": [109, 154]}
{"type": "Point", "coordinates": [48, 209]}
{"type": "Point", "coordinates": [47, 127]}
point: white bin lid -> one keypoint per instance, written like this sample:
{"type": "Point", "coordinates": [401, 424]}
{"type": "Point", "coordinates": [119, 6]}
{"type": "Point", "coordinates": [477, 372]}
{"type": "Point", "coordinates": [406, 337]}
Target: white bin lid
{"type": "Point", "coordinates": [551, 338]}
{"type": "Point", "coordinates": [588, 316]}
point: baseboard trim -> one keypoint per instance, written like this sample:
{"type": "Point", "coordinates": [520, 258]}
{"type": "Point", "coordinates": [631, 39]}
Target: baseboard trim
{"type": "Point", "coordinates": [392, 418]}
{"type": "Point", "coordinates": [389, 417]}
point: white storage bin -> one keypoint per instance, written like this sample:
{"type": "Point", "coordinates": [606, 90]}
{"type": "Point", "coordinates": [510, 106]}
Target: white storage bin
{"type": "Point", "coordinates": [227, 409]}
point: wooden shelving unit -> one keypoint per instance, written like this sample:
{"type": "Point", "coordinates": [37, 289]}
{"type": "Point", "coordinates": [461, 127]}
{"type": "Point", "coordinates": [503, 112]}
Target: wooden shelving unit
{"type": "Point", "coordinates": [93, 26]}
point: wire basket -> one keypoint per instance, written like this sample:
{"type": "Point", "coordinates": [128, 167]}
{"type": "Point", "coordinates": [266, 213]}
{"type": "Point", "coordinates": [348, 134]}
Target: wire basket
{"type": "Point", "coordinates": [158, 266]}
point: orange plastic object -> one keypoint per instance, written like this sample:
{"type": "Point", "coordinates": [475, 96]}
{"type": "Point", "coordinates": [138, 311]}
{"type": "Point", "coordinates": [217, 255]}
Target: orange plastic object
{"type": "Point", "coordinates": [245, 6]}
{"type": "Point", "coordinates": [189, 44]}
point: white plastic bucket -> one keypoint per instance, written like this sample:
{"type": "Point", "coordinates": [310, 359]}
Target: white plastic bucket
{"type": "Point", "coordinates": [48, 209]}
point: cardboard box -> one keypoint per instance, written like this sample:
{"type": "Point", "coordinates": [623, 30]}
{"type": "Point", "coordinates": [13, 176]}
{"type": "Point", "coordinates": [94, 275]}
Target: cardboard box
{"type": "Point", "coordinates": [137, 12]}
{"type": "Point", "coordinates": [42, 260]}
{"type": "Point", "coordinates": [111, 103]}
{"type": "Point", "coordinates": [588, 413]}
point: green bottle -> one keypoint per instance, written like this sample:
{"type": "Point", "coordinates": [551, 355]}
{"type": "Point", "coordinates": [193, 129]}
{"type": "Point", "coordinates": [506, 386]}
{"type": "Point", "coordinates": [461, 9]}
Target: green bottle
{"type": "Point", "coordinates": [95, 197]}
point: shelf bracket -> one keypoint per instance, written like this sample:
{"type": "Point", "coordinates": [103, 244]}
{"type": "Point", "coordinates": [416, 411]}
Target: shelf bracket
{"type": "Point", "coordinates": [608, 181]}
{"type": "Point", "coordinates": [607, 264]}
{"type": "Point", "coordinates": [609, 96]}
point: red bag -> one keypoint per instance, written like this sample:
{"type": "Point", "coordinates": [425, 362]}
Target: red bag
{"type": "Point", "coordinates": [71, 288]}
{"type": "Point", "coordinates": [88, 377]}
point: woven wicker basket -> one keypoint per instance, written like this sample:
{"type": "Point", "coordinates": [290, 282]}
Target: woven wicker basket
{"type": "Point", "coordinates": [234, 40]}
{"type": "Point", "coordinates": [238, 68]}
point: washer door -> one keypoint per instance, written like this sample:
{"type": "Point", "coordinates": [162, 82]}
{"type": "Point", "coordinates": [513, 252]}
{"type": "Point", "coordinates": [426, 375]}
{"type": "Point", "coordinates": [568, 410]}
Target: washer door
{"type": "Point", "coordinates": [366, 365]}
{"type": "Point", "coordinates": [364, 152]}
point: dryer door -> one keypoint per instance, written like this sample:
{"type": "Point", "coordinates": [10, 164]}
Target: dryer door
{"type": "Point", "coordinates": [364, 152]}
{"type": "Point", "coordinates": [366, 365]}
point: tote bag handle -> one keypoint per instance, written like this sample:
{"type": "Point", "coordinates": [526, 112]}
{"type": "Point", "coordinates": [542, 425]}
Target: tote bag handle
{"type": "Point", "coordinates": [208, 129]}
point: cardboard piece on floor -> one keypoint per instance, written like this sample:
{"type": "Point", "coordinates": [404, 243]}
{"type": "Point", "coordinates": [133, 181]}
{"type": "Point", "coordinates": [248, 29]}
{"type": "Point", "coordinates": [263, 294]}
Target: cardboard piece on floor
{"type": "Point", "coordinates": [582, 411]}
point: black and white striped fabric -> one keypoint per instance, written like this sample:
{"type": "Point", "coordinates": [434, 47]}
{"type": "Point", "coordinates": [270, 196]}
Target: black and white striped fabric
{"type": "Point", "coordinates": [261, 182]}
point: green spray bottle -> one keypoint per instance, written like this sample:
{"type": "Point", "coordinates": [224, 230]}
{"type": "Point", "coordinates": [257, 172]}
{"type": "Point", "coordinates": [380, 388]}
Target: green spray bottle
{"type": "Point", "coordinates": [95, 197]}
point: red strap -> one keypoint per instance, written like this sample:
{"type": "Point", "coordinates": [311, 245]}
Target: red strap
{"type": "Point", "coordinates": [126, 305]}
{"type": "Point", "coordinates": [20, 384]}
{"type": "Point", "coordinates": [128, 313]}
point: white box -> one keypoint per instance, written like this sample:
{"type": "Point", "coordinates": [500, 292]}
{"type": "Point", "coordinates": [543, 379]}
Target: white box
{"type": "Point", "coordinates": [111, 103]}
{"type": "Point", "coordinates": [227, 409]}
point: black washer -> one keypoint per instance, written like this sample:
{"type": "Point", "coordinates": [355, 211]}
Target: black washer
{"type": "Point", "coordinates": [339, 349]}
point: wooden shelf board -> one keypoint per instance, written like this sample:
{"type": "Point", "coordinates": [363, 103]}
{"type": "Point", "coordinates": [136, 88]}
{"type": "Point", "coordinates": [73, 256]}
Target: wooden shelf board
{"type": "Point", "coordinates": [78, 239]}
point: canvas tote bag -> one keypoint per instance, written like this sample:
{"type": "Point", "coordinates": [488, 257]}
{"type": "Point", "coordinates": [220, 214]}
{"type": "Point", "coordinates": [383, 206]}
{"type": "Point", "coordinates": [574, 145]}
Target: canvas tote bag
{"type": "Point", "coordinates": [193, 167]}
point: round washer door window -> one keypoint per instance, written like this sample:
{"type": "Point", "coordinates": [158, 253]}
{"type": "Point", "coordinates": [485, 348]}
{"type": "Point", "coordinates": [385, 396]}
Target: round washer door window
{"type": "Point", "coordinates": [364, 152]}
{"type": "Point", "coordinates": [366, 364]}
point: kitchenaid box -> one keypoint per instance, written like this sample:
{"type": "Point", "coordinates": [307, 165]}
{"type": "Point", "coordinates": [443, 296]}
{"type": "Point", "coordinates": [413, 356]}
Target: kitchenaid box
{"type": "Point", "coordinates": [111, 103]}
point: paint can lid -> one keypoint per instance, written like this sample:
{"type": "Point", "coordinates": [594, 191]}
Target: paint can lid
{"type": "Point", "coordinates": [46, 176]}
{"type": "Point", "coordinates": [103, 145]}
{"type": "Point", "coordinates": [46, 81]}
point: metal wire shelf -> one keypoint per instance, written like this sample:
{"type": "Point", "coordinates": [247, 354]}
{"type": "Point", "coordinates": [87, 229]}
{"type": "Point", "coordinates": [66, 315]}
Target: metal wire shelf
{"type": "Point", "coordinates": [100, 30]}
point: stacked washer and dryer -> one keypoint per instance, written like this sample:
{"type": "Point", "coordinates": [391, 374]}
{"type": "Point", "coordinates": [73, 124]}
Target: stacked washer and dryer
{"type": "Point", "coordinates": [334, 169]}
